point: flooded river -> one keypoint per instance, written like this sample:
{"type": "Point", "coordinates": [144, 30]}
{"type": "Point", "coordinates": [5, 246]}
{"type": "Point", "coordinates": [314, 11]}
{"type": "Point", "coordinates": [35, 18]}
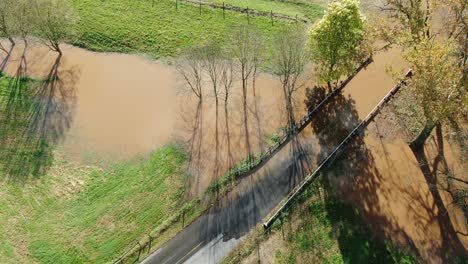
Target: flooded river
{"type": "Point", "coordinates": [126, 106]}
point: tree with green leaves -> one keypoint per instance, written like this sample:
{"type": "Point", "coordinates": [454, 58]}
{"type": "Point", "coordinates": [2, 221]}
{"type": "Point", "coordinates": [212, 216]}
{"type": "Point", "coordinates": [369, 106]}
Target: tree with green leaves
{"type": "Point", "coordinates": [335, 40]}
{"type": "Point", "coordinates": [7, 29]}
{"type": "Point", "coordinates": [436, 95]}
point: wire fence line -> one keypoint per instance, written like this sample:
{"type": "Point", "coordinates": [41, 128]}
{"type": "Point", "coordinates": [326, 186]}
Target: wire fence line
{"type": "Point", "coordinates": [144, 246]}
{"type": "Point", "coordinates": [314, 175]}
{"type": "Point", "coordinates": [248, 11]}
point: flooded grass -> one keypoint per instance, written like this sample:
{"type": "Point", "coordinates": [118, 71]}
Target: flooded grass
{"type": "Point", "coordinates": [22, 154]}
{"type": "Point", "coordinates": [160, 30]}
{"type": "Point", "coordinates": [87, 214]}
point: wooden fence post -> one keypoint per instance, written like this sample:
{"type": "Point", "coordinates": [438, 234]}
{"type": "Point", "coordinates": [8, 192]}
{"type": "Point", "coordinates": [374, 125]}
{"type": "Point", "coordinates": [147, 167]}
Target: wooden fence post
{"type": "Point", "coordinates": [248, 17]}
{"type": "Point", "coordinates": [224, 11]}
{"type": "Point", "coordinates": [139, 251]}
{"type": "Point", "coordinates": [200, 7]}
{"type": "Point", "coordinates": [149, 245]}
{"type": "Point", "coordinates": [271, 15]}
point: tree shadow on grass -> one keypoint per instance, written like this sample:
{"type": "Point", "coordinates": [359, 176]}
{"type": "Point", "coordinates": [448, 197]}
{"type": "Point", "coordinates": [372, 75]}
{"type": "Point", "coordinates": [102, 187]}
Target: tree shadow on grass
{"type": "Point", "coordinates": [35, 116]}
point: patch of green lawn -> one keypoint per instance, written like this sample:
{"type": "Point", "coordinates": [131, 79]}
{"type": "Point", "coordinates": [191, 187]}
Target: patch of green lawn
{"type": "Point", "coordinates": [160, 31]}
{"type": "Point", "coordinates": [333, 232]}
{"type": "Point", "coordinates": [73, 213]}
{"type": "Point", "coordinates": [22, 153]}
{"type": "Point", "coordinates": [77, 214]}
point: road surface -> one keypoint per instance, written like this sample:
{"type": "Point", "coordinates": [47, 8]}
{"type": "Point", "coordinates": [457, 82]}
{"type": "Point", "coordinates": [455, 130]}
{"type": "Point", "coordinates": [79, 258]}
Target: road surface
{"type": "Point", "coordinates": [212, 236]}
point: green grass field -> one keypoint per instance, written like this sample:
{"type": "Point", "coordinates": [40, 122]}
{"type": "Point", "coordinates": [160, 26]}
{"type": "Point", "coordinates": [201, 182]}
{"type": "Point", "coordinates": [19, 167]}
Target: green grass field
{"type": "Point", "coordinates": [162, 31]}
{"type": "Point", "coordinates": [22, 154]}
{"type": "Point", "coordinates": [73, 213]}
{"type": "Point", "coordinates": [83, 214]}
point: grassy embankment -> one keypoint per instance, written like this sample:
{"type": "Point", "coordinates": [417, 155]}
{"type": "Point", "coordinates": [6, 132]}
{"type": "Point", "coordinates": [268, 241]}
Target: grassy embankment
{"type": "Point", "coordinates": [87, 214]}
{"type": "Point", "coordinates": [159, 31]}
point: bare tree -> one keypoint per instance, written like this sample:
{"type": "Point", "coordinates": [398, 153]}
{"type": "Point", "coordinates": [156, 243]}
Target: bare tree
{"type": "Point", "coordinates": [190, 66]}
{"type": "Point", "coordinates": [227, 77]}
{"type": "Point", "coordinates": [246, 48]}
{"type": "Point", "coordinates": [437, 88]}
{"type": "Point", "coordinates": [24, 21]}
{"type": "Point", "coordinates": [213, 65]}
{"type": "Point", "coordinates": [289, 60]}
{"type": "Point", "coordinates": [56, 22]}
{"type": "Point", "coordinates": [7, 21]}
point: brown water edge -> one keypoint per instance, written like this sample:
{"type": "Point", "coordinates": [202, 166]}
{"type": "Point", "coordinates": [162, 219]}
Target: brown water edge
{"type": "Point", "coordinates": [123, 107]}
{"type": "Point", "coordinates": [380, 176]}
{"type": "Point", "coordinates": [128, 106]}
{"type": "Point", "coordinates": [394, 197]}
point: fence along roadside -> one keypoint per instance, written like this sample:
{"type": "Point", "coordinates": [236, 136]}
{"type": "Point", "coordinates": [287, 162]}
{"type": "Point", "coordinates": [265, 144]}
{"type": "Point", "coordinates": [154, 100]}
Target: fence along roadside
{"type": "Point", "coordinates": [362, 125]}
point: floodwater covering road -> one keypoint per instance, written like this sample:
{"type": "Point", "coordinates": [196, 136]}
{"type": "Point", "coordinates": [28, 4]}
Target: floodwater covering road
{"type": "Point", "coordinates": [212, 236]}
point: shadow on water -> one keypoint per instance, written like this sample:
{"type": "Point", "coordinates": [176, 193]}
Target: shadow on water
{"type": "Point", "coordinates": [35, 115]}
{"type": "Point", "coordinates": [7, 55]}
{"type": "Point", "coordinates": [356, 241]}
{"type": "Point", "coordinates": [439, 178]}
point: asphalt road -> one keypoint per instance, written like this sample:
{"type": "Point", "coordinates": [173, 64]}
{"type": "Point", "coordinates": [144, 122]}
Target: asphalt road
{"type": "Point", "coordinates": [214, 234]}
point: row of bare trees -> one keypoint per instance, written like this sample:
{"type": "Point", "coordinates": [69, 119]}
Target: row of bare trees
{"type": "Point", "coordinates": [51, 21]}
{"type": "Point", "coordinates": [214, 70]}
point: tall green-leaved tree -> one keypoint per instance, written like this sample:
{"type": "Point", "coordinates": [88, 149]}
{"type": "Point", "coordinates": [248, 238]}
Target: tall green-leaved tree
{"type": "Point", "coordinates": [335, 40]}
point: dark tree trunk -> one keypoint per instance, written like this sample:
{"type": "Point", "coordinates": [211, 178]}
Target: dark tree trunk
{"type": "Point", "coordinates": [228, 133]}
{"type": "Point", "coordinates": [244, 105]}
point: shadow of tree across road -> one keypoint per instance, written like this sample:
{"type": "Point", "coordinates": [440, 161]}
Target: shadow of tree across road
{"type": "Point", "coordinates": [357, 243]}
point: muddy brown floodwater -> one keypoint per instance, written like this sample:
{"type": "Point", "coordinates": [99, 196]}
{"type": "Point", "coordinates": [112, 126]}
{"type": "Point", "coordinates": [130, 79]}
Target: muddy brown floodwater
{"type": "Point", "coordinates": [127, 105]}
{"type": "Point", "coordinates": [124, 106]}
